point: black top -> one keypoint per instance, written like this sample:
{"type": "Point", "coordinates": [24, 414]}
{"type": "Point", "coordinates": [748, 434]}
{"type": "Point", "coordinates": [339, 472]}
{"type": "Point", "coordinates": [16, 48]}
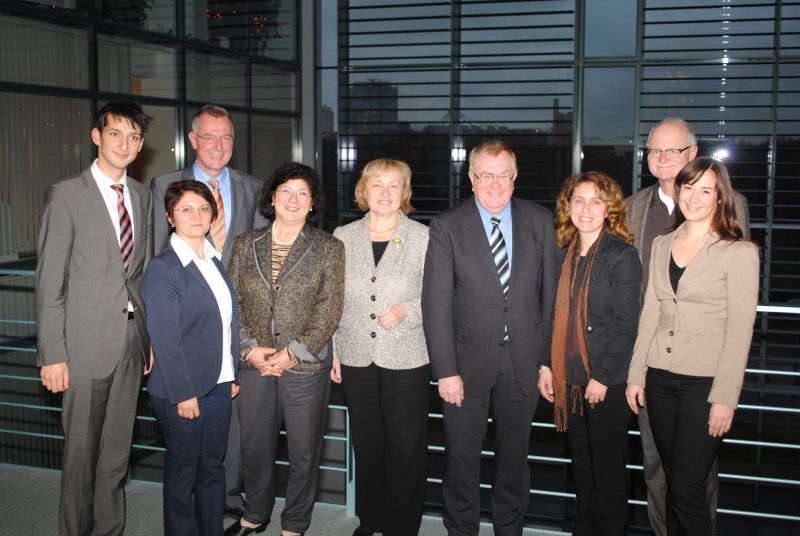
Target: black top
{"type": "Point", "coordinates": [378, 248]}
{"type": "Point", "coordinates": [675, 273]}
{"type": "Point", "coordinates": [576, 375]}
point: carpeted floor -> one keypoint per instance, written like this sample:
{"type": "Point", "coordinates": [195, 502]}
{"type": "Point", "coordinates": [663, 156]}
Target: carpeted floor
{"type": "Point", "coordinates": [29, 507]}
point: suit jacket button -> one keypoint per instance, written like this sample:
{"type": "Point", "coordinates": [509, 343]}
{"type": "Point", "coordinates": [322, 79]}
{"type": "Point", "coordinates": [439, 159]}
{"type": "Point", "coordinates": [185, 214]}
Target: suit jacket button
{"type": "Point", "coordinates": [589, 329]}
{"type": "Point", "coordinates": [671, 333]}
{"type": "Point", "coordinates": [372, 297]}
{"type": "Point", "coordinates": [271, 309]}
{"type": "Point", "coordinates": [373, 334]}
{"type": "Point", "coordinates": [674, 300]}
{"type": "Point", "coordinates": [373, 278]}
{"type": "Point", "coordinates": [372, 316]}
{"type": "Point", "coordinates": [669, 350]}
{"type": "Point", "coordinates": [277, 334]}
{"type": "Point", "coordinates": [125, 311]}
{"type": "Point", "coordinates": [277, 287]}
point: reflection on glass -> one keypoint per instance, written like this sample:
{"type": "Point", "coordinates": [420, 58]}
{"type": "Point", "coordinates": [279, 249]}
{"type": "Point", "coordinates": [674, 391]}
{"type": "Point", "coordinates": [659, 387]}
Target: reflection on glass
{"type": "Point", "coordinates": [35, 52]}
{"type": "Point", "coordinates": [610, 29]}
{"type": "Point", "coordinates": [158, 154]}
{"type": "Point", "coordinates": [126, 66]}
{"type": "Point", "coordinates": [273, 89]}
{"type": "Point", "coordinates": [261, 27]}
{"type": "Point", "coordinates": [273, 143]}
{"type": "Point", "coordinates": [608, 105]}
{"type": "Point", "coordinates": [615, 160]}
{"type": "Point", "coordinates": [150, 15]}
{"type": "Point", "coordinates": [212, 78]}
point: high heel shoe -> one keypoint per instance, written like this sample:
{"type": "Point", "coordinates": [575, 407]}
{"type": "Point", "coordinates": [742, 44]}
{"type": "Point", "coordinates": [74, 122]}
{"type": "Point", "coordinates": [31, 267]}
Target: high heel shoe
{"type": "Point", "coordinates": [237, 529]}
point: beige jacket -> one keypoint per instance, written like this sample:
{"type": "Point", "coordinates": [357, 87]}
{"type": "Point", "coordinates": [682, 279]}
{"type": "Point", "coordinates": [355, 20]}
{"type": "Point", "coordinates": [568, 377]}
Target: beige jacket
{"type": "Point", "coordinates": [705, 328]}
{"type": "Point", "coordinates": [369, 290]}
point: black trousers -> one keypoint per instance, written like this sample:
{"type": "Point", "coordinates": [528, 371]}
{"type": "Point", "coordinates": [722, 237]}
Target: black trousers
{"type": "Point", "coordinates": [679, 409]}
{"type": "Point", "coordinates": [597, 441]}
{"type": "Point", "coordinates": [389, 422]}
{"type": "Point", "coordinates": [465, 430]}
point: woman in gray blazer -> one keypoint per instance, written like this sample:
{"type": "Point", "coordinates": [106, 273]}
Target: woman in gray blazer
{"type": "Point", "coordinates": [380, 355]}
{"type": "Point", "coordinates": [694, 338]}
{"type": "Point", "coordinates": [289, 279]}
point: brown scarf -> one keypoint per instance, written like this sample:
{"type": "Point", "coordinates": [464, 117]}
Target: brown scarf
{"type": "Point", "coordinates": [561, 320]}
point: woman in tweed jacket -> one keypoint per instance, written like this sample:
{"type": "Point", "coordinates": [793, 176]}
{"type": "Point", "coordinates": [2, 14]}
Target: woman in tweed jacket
{"type": "Point", "coordinates": [380, 355]}
{"type": "Point", "coordinates": [289, 279]}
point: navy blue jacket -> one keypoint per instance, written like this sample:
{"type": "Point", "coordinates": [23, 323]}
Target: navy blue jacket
{"type": "Point", "coordinates": [185, 328]}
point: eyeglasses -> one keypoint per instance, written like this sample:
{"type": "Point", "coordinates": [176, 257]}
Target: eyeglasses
{"type": "Point", "coordinates": [288, 192]}
{"type": "Point", "coordinates": [670, 153]}
{"type": "Point", "coordinates": [190, 210]}
{"type": "Point", "coordinates": [211, 139]}
{"type": "Point", "coordinates": [491, 177]}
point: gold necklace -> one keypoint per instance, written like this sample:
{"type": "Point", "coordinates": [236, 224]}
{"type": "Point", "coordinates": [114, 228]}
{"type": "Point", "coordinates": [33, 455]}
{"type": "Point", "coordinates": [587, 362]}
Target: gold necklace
{"type": "Point", "coordinates": [385, 230]}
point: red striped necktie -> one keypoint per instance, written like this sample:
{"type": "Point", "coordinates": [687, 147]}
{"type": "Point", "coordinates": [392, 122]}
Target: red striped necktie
{"type": "Point", "coordinates": [125, 227]}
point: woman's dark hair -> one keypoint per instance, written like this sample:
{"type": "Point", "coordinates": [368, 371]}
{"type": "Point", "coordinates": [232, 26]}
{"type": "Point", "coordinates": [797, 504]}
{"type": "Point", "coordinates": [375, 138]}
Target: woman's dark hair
{"type": "Point", "coordinates": [177, 189]}
{"type": "Point", "coordinates": [285, 173]}
{"type": "Point", "coordinates": [723, 222]}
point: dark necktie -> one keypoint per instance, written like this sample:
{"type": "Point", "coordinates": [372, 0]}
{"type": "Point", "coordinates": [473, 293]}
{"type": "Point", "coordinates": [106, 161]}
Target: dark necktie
{"type": "Point", "coordinates": [125, 227]}
{"type": "Point", "coordinates": [500, 254]}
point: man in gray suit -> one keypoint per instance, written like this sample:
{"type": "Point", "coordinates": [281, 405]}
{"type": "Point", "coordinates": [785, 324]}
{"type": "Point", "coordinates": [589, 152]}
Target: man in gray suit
{"type": "Point", "coordinates": [487, 302]}
{"type": "Point", "coordinates": [651, 213]}
{"type": "Point", "coordinates": [238, 195]}
{"type": "Point", "coordinates": [94, 242]}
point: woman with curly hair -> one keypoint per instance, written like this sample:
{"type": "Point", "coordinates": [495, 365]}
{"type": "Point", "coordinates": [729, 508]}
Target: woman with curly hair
{"type": "Point", "coordinates": [594, 328]}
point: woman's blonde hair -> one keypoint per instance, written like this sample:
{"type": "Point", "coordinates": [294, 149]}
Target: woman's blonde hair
{"type": "Point", "coordinates": [379, 168]}
{"type": "Point", "coordinates": [609, 193]}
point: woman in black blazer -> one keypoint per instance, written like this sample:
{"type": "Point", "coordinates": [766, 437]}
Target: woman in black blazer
{"type": "Point", "coordinates": [595, 321]}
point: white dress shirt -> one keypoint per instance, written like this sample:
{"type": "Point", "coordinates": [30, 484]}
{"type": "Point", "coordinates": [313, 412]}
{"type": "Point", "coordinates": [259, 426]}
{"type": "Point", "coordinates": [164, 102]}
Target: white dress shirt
{"type": "Point", "coordinates": [105, 184]}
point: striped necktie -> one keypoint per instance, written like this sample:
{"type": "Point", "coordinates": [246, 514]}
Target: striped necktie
{"type": "Point", "coordinates": [125, 227]}
{"type": "Point", "coordinates": [500, 255]}
{"type": "Point", "coordinates": [218, 233]}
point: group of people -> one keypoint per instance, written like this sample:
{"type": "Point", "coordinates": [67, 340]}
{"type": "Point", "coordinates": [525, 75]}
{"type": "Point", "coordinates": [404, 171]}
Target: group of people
{"type": "Point", "coordinates": [252, 310]}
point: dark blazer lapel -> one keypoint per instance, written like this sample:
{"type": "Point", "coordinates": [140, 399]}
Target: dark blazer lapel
{"type": "Point", "coordinates": [476, 236]}
{"type": "Point", "coordinates": [139, 217]}
{"type": "Point", "coordinates": [195, 271]}
{"type": "Point", "coordinates": [521, 230]}
{"type": "Point", "coordinates": [601, 256]}
{"type": "Point", "coordinates": [98, 205]}
{"type": "Point", "coordinates": [262, 250]}
{"type": "Point", "coordinates": [236, 216]}
{"type": "Point", "coordinates": [299, 250]}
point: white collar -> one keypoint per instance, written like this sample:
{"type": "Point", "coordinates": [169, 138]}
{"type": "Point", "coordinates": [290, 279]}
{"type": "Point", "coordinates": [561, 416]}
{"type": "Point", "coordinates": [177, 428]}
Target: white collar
{"type": "Point", "coordinates": [667, 200]}
{"type": "Point", "coordinates": [187, 255]}
{"type": "Point", "coordinates": [101, 177]}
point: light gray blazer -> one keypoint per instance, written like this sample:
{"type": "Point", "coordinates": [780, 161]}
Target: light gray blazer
{"type": "Point", "coordinates": [82, 288]}
{"type": "Point", "coordinates": [245, 192]}
{"type": "Point", "coordinates": [369, 290]}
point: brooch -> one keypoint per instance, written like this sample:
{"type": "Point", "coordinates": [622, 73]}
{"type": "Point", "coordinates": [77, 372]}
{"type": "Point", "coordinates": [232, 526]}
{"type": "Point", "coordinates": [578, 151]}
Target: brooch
{"type": "Point", "coordinates": [397, 242]}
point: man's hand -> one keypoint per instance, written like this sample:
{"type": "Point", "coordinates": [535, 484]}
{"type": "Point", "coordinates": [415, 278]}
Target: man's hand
{"type": "Point", "coordinates": [545, 383]}
{"type": "Point", "coordinates": [55, 377]}
{"type": "Point", "coordinates": [189, 409]}
{"type": "Point", "coordinates": [635, 396]}
{"type": "Point", "coordinates": [451, 389]}
{"type": "Point", "coordinates": [336, 371]}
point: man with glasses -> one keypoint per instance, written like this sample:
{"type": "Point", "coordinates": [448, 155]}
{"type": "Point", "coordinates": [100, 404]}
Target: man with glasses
{"type": "Point", "coordinates": [237, 195]}
{"type": "Point", "coordinates": [651, 212]}
{"type": "Point", "coordinates": [487, 302]}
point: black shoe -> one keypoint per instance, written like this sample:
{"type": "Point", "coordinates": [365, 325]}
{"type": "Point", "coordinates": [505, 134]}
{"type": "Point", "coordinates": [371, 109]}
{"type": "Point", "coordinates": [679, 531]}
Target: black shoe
{"type": "Point", "coordinates": [363, 531]}
{"type": "Point", "coordinates": [237, 529]}
{"type": "Point", "coordinates": [236, 512]}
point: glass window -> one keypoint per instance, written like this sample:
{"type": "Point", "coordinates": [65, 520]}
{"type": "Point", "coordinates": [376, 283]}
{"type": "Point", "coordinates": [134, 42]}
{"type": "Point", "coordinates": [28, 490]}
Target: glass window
{"type": "Point", "coordinates": [126, 66]}
{"type": "Point", "coordinates": [35, 52]}
{"type": "Point", "coordinates": [262, 27]}
{"type": "Point", "coordinates": [274, 89]}
{"type": "Point", "coordinates": [273, 143]}
{"type": "Point", "coordinates": [212, 78]}
{"type": "Point", "coordinates": [608, 105]}
{"type": "Point", "coordinates": [610, 29]}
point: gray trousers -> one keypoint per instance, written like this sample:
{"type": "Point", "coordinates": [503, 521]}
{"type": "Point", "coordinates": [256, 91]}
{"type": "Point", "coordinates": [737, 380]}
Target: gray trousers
{"type": "Point", "coordinates": [98, 417]}
{"type": "Point", "coordinates": [299, 402]}
{"type": "Point", "coordinates": [233, 461]}
{"type": "Point", "coordinates": [657, 482]}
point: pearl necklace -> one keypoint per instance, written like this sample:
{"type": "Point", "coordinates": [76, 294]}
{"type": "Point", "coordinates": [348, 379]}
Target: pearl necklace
{"type": "Point", "coordinates": [278, 242]}
{"type": "Point", "coordinates": [385, 230]}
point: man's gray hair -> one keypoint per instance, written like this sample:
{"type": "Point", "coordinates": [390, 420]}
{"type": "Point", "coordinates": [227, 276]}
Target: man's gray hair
{"type": "Point", "coordinates": [677, 121]}
{"type": "Point", "coordinates": [214, 111]}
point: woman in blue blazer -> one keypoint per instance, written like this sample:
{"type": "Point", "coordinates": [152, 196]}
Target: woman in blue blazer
{"type": "Point", "coordinates": [594, 328]}
{"type": "Point", "coordinates": [192, 317]}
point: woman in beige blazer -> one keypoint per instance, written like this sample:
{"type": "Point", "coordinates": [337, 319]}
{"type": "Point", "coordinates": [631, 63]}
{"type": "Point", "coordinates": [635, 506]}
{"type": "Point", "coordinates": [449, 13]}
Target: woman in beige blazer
{"type": "Point", "coordinates": [380, 354]}
{"type": "Point", "coordinates": [694, 337]}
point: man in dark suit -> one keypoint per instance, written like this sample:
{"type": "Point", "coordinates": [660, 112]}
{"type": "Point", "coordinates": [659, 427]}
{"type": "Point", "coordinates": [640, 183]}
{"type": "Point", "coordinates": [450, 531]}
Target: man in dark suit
{"type": "Point", "coordinates": [651, 213]}
{"type": "Point", "coordinates": [487, 302]}
{"type": "Point", "coordinates": [94, 242]}
{"type": "Point", "coordinates": [237, 195]}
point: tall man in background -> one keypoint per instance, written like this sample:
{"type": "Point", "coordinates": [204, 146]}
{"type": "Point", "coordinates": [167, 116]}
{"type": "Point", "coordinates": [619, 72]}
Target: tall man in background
{"type": "Point", "coordinates": [487, 302]}
{"type": "Point", "coordinates": [95, 239]}
{"type": "Point", "coordinates": [651, 212]}
{"type": "Point", "coordinates": [237, 195]}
